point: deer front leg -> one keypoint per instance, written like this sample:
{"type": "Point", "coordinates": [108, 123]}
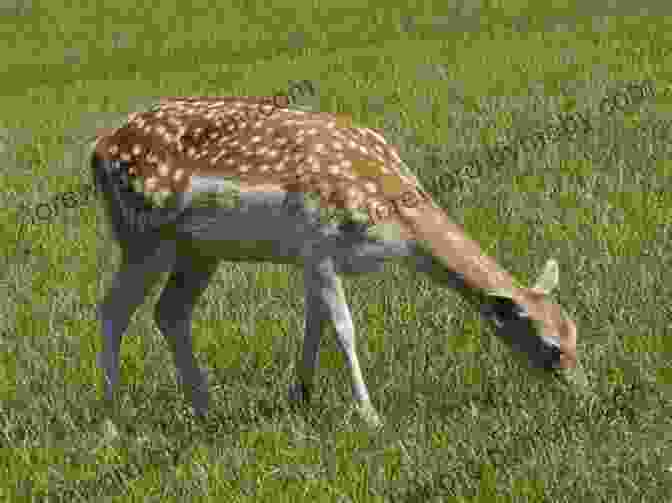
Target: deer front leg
{"type": "Point", "coordinates": [173, 316]}
{"type": "Point", "coordinates": [316, 318]}
{"type": "Point", "coordinates": [325, 300]}
{"type": "Point", "coordinates": [141, 268]}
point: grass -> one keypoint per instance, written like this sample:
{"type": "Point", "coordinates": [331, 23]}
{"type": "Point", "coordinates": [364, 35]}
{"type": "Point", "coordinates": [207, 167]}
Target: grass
{"type": "Point", "coordinates": [464, 422]}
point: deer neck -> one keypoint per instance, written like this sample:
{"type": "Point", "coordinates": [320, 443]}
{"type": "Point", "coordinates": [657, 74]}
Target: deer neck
{"type": "Point", "coordinates": [455, 256]}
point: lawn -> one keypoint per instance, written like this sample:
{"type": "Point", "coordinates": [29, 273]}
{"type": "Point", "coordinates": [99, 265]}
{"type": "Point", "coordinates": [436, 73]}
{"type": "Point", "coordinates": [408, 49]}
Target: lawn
{"type": "Point", "coordinates": [464, 421]}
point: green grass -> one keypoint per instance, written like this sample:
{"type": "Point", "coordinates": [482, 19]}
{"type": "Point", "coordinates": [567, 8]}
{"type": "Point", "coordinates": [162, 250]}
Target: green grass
{"type": "Point", "coordinates": [464, 422]}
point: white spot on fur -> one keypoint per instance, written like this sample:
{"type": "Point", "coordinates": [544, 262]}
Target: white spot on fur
{"type": "Point", "coordinates": [376, 135]}
{"type": "Point", "coordinates": [371, 187]}
{"type": "Point", "coordinates": [151, 184]}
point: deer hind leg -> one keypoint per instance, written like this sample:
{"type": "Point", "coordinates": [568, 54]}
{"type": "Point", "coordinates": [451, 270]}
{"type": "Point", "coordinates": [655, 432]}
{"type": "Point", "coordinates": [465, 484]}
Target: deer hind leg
{"type": "Point", "coordinates": [173, 316]}
{"type": "Point", "coordinates": [325, 300]}
{"type": "Point", "coordinates": [142, 266]}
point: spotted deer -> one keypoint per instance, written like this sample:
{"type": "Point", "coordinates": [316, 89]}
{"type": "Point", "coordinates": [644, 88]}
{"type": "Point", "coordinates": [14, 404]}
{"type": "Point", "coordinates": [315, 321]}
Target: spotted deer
{"type": "Point", "coordinates": [197, 180]}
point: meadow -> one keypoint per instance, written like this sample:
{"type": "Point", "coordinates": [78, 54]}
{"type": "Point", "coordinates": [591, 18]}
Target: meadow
{"type": "Point", "coordinates": [464, 421]}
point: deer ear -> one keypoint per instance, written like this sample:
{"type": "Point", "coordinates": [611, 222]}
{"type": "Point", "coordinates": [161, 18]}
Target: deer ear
{"type": "Point", "coordinates": [549, 278]}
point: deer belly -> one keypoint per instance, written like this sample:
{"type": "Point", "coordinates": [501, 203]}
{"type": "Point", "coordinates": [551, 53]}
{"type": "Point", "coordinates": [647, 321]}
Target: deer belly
{"type": "Point", "coordinates": [258, 229]}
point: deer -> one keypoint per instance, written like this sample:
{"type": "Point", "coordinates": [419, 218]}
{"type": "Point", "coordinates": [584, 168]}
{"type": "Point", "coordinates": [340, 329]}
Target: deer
{"type": "Point", "coordinates": [194, 181]}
